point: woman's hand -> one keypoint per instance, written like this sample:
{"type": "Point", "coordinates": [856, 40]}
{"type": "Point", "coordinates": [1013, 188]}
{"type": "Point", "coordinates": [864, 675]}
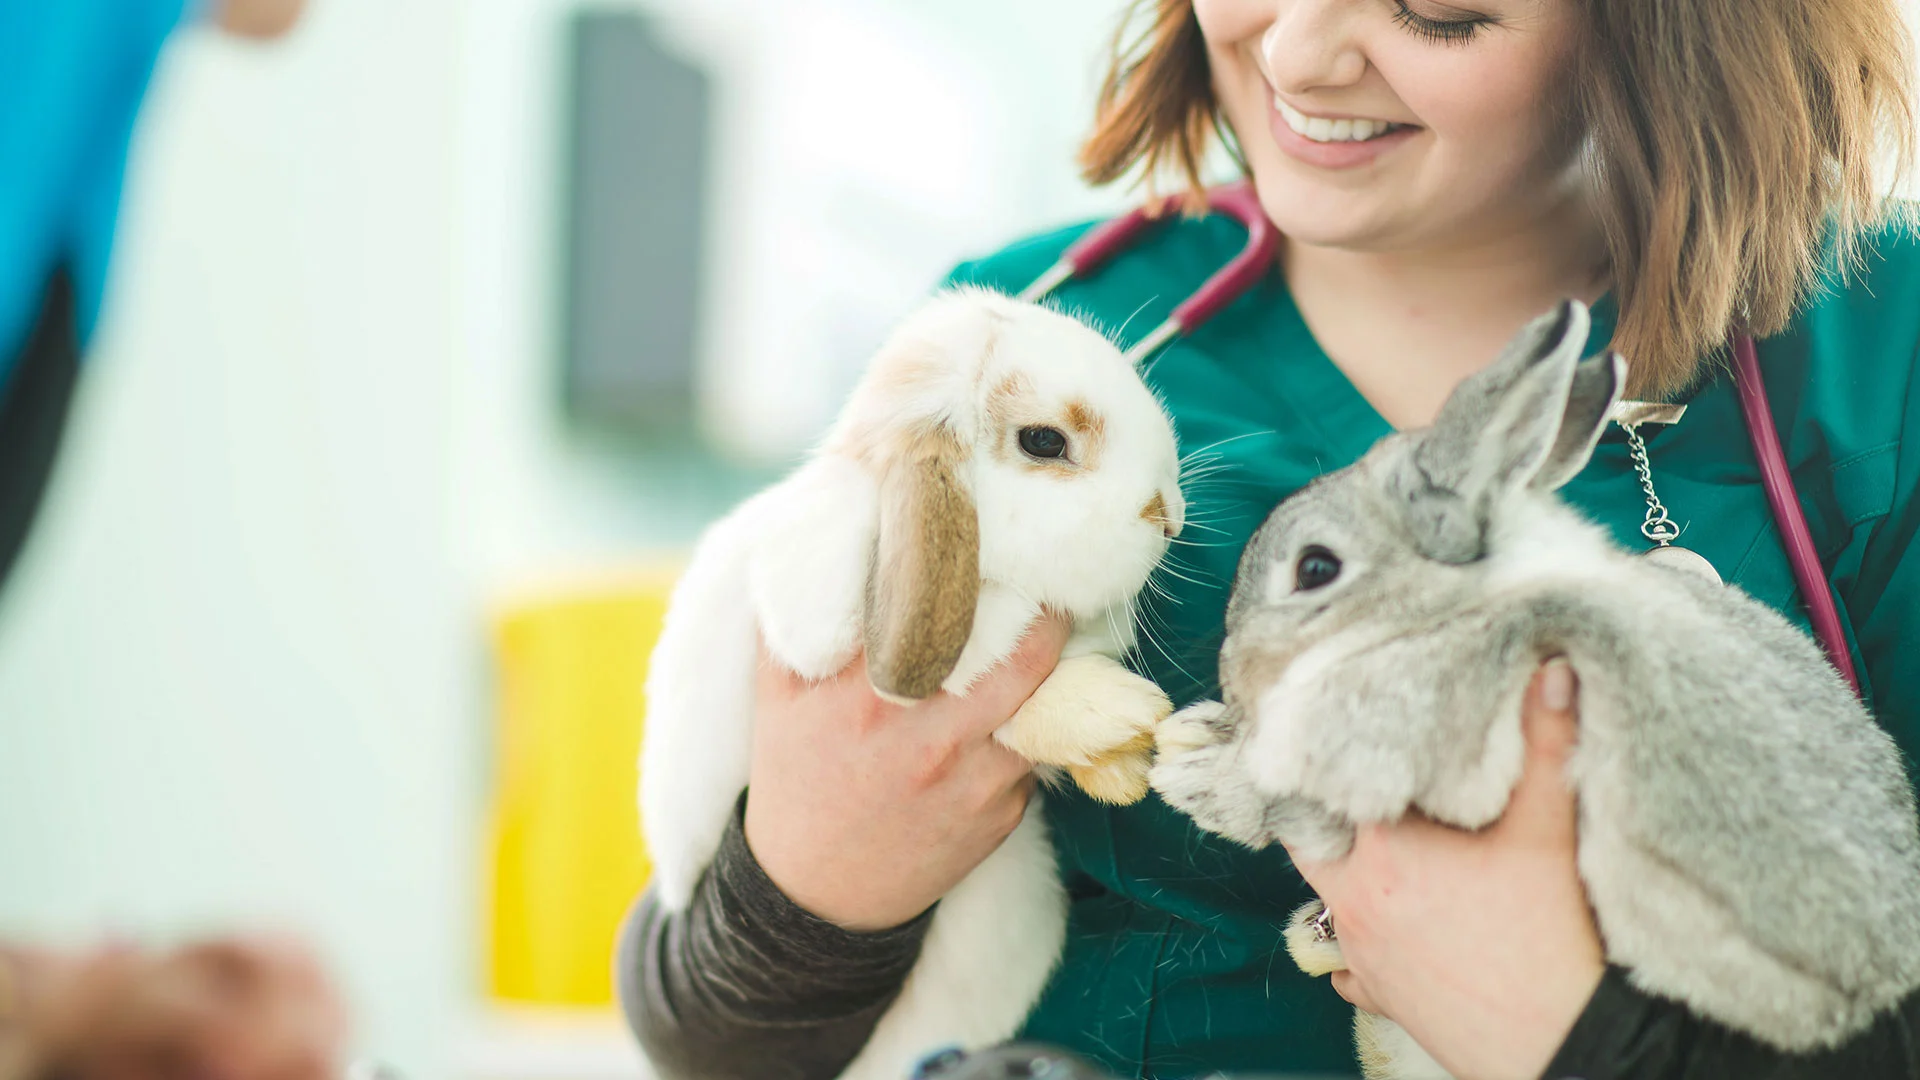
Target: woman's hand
{"type": "Point", "coordinates": [231, 1009]}
{"type": "Point", "coordinates": [864, 812]}
{"type": "Point", "coordinates": [1480, 944]}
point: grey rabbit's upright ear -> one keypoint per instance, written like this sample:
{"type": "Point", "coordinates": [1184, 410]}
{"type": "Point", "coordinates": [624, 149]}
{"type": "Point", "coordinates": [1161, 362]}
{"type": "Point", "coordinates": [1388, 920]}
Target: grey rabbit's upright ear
{"type": "Point", "coordinates": [1597, 382]}
{"type": "Point", "coordinates": [1529, 420]}
{"type": "Point", "coordinates": [926, 571]}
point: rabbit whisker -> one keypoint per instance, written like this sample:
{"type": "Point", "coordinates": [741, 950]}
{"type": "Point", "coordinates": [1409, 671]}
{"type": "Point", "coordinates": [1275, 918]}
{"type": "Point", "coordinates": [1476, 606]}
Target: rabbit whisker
{"type": "Point", "coordinates": [1202, 472]}
{"type": "Point", "coordinates": [1230, 439]}
{"type": "Point", "coordinates": [1195, 582]}
{"type": "Point", "coordinates": [1161, 592]}
{"type": "Point", "coordinates": [1181, 541]}
{"type": "Point", "coordinates": [1172, 563]}
{"type": "Point", "coordinates": [1147, 635]}
{"type": "Point", "coordinates": [1121, 332]}
{"type": "Point", "coordinates": [1205, 524]}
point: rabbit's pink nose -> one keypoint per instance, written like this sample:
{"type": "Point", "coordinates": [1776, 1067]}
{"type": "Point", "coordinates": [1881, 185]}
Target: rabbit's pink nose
{"type": "Point", "coordinates": [1158, 513]}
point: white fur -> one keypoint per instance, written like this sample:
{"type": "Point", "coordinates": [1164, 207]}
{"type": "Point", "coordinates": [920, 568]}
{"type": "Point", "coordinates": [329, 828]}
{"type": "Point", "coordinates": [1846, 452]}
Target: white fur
{"type": "Point", "coordinates": [808, 591]}
{"type": "Point", "coordinates": [985, 961]}
{"type": "Point", "coordinates": [1539, 541]}
{"type": "Point", "coordinates": [1387, 1052]}
{"type": "Point", "coordinates": [693, 764]}
{"type": "Point", "coordinates": [793, 563]}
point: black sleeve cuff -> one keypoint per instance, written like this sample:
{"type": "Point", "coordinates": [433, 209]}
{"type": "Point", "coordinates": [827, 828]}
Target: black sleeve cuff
{"type": "Point", "coordinates": [812, 955]}
{"type": "Point", "coordinates": [1626, 1033]}
{"type": "Point", "coordinates": [1621, 1033]}
{"type": "Point", "coordinates": [747, 984]}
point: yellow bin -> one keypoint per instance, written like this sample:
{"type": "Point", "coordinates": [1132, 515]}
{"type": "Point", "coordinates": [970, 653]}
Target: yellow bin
{"type": "Point", "coordinates": [567, 859]}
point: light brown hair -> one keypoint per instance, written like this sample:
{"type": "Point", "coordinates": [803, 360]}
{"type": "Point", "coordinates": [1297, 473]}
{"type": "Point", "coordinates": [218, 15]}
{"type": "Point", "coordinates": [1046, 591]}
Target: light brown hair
{"type": "Point", "coordinates": [1735, 145]}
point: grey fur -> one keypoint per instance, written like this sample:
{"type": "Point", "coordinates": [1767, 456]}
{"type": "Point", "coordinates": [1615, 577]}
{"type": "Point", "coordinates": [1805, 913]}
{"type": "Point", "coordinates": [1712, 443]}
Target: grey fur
{"type": "Point", "coordinates": [1747, 832]}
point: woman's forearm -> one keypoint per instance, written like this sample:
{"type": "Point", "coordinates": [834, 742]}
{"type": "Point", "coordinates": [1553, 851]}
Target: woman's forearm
{"type": "Point", "coordinates": [1625, 1034]}
{"type": "Point", "coordinates": [746, 984]}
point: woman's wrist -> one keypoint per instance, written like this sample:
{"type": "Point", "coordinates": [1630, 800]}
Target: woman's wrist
{"type": "Point", "coordinates": [1609, 1038]}
{"type": "Point", "coordinates": [1563, 1005]}
{"type": "Point", "coordinates": [748, 880]}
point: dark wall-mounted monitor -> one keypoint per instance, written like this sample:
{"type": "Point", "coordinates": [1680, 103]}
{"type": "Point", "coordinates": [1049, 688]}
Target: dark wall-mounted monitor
{"type": "Point", "coordinates": [635, 205]}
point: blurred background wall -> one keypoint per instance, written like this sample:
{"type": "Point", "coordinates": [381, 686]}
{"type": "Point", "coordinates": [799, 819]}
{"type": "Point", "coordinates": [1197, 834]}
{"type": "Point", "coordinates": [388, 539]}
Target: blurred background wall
{"type": "Point", "coordinates": [244, 667]}
{"type": "Point", "coordinates": [245, 670]}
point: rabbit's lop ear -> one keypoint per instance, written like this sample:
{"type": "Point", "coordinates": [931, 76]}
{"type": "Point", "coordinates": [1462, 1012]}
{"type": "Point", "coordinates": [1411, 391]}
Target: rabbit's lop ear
{"type": "Point", "coordinates": [1498, 431]}
{"type": "Point", "coordinates": [926, 573]}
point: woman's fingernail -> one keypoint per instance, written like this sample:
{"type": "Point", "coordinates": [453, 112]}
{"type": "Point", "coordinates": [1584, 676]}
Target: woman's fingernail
{"type": "Point", "coordinates": [1556, 686]}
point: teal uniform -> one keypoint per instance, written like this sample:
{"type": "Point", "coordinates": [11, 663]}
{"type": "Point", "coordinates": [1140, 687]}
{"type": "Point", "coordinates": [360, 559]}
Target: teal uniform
{"type": "Point", "coordinates": [1174, 964]}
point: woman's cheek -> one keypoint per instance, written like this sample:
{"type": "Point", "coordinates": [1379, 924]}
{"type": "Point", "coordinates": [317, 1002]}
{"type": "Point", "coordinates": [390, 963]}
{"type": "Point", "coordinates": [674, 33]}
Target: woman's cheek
{"type": "Point", "coordinates": [1490, 115]}
{"type": "Point", "coordinates": [1457, 94]}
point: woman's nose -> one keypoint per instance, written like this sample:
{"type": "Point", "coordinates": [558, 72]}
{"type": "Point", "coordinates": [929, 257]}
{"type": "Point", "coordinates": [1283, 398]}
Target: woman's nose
{"type": "Point", "coordinates": [1311, 45]}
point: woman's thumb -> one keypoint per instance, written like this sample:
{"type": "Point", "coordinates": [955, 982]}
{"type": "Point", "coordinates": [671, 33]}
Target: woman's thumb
{"type": "Point", "coordinates": [1550, 724]}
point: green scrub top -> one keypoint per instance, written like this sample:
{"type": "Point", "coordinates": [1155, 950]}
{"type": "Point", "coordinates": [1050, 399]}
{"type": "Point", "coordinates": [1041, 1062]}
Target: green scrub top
{"type": "Point", "coordinates": [1174, 964]}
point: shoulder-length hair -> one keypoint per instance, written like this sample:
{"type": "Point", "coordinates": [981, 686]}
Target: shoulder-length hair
{"type": "Point", "coordinates": [1736, 148]}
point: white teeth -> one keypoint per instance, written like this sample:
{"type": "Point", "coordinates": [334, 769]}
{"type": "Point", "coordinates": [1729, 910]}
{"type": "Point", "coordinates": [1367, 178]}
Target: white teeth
{"type": "Point", "coordinates": [1320, 129]}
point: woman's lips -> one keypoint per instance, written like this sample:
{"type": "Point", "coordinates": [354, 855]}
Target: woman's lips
{"type": "Point", "coordinates": [1333, 155]}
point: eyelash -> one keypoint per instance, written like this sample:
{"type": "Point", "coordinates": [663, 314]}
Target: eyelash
{"type": "Point", "coordinates": [1440, 31]}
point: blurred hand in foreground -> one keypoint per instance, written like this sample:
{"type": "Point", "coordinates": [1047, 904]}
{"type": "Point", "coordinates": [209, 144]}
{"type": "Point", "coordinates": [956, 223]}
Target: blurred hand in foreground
{"type": "Point", "coordinates": [228, 1009]}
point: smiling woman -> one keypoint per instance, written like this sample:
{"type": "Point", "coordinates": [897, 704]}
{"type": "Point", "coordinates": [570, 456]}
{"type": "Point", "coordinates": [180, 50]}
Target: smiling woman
{"type": "Point", "coordinates": [1705, 158]}
{"type": "Point", "coordinates": [1439, 172]}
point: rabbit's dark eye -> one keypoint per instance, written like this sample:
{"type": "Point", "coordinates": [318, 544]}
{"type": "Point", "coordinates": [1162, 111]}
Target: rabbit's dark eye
{"type": "Point", "coordinates": [1043, 442]}
{"type": "Point", "coordinates": [1317, 567]}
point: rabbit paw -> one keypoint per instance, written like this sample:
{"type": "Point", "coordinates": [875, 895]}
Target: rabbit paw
{"type": "Point", "coordinates": [1311, 942]}
{"type": "Point", "coordinates": [1195, 727]}
{"type": "Point", "coordinates": [1118, 776]}
{"type": "Point", "coordinates": [1096, 719]}
{"type": "Point", "coordinates": [1201, 771]}
{"type": "Point", "coordinates": [1186, 751]}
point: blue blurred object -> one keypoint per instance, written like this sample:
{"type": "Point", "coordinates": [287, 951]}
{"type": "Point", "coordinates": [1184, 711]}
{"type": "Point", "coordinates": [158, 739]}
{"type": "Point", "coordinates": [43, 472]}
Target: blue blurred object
{"type": "Point", "coordinates": [72, 75]}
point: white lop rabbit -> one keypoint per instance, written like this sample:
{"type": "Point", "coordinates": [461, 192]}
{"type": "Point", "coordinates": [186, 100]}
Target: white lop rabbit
{"type": "Point", "coordinates": [1747, 832]}
{"type": "Point", "coordinates": [995, 458]}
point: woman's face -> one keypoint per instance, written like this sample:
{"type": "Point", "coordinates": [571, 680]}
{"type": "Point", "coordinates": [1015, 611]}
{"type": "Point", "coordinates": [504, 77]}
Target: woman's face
{"type": "Point", "coordinates": [1399, 125]}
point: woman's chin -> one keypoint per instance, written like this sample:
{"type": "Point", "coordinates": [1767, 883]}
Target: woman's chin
{"type": "Point", "coordinates": [1309, 213]}
{"type": "Point", "coordinates": [1343, 229]}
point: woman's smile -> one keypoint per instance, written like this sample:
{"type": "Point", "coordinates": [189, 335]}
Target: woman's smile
{"type": "Point", "coordinates": [1328, 142]}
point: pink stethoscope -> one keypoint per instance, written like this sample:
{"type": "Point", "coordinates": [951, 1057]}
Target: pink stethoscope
{"type": "Point", "coordinates": [1239, 201]}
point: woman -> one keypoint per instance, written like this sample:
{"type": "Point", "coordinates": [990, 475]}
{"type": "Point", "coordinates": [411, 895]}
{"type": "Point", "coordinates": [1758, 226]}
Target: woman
{"type": "Point", "coordinates": [1440, 171]}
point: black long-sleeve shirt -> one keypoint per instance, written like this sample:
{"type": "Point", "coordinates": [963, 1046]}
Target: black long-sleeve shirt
{"type": "Point", "coordinates": [746, 985]}
{"type": "Point", "coordinates": [1627, 1034]}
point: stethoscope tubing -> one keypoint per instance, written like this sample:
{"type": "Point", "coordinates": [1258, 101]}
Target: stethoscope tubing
{"type": "Point", "coordinates": [1229, 283]}
{"type": "Point", "coordinates": [1239, 200]}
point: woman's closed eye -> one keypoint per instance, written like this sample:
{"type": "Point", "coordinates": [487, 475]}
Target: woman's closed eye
{"type": "Point", "coordinates": [1449, 26]}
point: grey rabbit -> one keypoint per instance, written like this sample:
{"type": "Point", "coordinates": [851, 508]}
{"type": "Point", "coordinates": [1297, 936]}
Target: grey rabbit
{"type": "Point", "coordinates": [1747, 832]}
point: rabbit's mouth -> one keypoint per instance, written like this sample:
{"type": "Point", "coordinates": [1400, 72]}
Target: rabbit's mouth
{"type": "Point", "coordinates": [1165, 516]}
